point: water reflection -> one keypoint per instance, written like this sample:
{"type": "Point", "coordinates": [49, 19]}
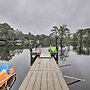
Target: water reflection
{"type": "Point", "coordinates": [79, 65]}
{"type": "Point", "coordinates": [9, 50]}
{"type": "Point", "coordinates": [81, 50]}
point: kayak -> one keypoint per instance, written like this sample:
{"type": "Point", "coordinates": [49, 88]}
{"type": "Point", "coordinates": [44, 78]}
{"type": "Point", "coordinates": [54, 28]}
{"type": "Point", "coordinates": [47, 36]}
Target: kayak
{"type": "Point", "coordinates": [5, 74]}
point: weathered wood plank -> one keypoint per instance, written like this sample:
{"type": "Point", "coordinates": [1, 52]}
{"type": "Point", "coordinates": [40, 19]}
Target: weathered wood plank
{"type": "Point", "coordinates": [25, 81]}
{"type": "Point", "coordinates": [50, 81]}
{"type": "Point", "coordinates": [45, 54]}
{"type": "Point", "coordinates": [37, 85]}
{"type": "Point", "coordinates": [57, 84]}
{"type": "Point", "coordinates": [44, 81]}
{"type": "Point", "coordinates": [45, 64]}
{"type": "Point", "coordinates": [44, 75]}
{"type": "Point", "coordinates": [62, 81]}
{"type": "Point", "coordinates": [31, 82]}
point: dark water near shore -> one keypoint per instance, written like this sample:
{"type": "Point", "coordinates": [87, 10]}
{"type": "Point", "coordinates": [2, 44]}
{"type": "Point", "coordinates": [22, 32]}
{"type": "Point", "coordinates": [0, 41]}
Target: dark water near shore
{"type": "Point", "coordinates": [19, 59]}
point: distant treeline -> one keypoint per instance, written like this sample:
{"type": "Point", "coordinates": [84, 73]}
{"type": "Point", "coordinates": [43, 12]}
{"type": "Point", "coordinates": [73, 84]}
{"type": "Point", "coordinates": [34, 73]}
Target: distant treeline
{"type": "Point", "coordinates": [80, 38]}
{"type": "Point", "coordinates": [9, 34]}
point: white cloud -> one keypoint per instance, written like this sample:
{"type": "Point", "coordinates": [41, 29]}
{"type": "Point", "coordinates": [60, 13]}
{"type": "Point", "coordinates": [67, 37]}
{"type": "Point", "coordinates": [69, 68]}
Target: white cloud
{"type": "Point", "coordinates": [39, 16]}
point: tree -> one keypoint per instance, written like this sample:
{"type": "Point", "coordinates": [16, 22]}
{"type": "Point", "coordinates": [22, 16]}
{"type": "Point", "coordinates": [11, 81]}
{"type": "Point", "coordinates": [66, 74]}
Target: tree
{"type": "Point", "coordinates": [63, 32]}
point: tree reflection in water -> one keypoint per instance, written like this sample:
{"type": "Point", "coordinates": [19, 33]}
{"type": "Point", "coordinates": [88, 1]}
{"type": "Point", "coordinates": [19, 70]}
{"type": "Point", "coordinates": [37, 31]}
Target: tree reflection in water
{"type": "Point", "coordinates": [9, 50]}
{"type": "Point", "coordinates": [81, 50]}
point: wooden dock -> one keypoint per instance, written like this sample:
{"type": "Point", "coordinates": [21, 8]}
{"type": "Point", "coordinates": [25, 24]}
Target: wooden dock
{"type": "Point", "coordinates": [44, 75]}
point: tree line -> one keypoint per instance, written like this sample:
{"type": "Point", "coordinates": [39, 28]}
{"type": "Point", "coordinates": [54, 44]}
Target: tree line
{"type": "Point", "coordinates": [61, 34]}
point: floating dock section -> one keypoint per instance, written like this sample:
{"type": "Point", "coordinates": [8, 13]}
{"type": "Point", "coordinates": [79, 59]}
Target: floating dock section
{"type": "Point", "coordinates": [44, 75]}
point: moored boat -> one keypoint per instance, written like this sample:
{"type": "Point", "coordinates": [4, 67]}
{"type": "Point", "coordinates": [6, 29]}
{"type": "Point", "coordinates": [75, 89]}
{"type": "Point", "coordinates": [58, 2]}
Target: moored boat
{"type": "Point", "coordinates": [5, 74]}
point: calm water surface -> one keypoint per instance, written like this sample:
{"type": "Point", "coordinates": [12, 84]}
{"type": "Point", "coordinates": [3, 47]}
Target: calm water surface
{"type": "Point", "coordinates": [80, 68]}
{"type": "Point", "coordinates": [20, 61]}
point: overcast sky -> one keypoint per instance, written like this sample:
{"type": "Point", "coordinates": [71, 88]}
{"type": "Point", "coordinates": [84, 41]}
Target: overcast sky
{"type": "Point", "coordinates": [39, 16]}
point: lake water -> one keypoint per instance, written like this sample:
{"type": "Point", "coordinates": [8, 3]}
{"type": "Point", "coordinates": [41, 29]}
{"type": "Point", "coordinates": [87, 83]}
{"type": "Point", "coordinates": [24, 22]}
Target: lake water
{"type": "Point", "coordinates": [80, 65]}
{"type": "Point", "coordinates": [19, 59]}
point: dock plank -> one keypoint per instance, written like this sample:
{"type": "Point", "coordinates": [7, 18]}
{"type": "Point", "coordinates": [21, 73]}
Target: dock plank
{"type": "Point", "coordinates": [31, 82]}
{"type": "Point", "coordinates": [44, 75]}
{"type": "Point", "coordinates": [50, 81]}
{"type": "Point", "coordinates": [45, 64]}
{"type": "Point", "coordinates": [62, 81]}
{"type": "Point", "coordinates": [44, 81]}
{"type": "Point", "coordinates": [37, 85]}
{"type": "Point", "coordinates": [57, 84]}
{"type": "Point", "coordinates": [25, 82]}
{"type": "Point", "coordinates": [45, 54]}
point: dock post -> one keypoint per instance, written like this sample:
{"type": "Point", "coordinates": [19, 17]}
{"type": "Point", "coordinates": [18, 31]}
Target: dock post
{"type": "Point", "coordinates": [57, 54]}
{"type": "Point", "coordinates": [30, 52]}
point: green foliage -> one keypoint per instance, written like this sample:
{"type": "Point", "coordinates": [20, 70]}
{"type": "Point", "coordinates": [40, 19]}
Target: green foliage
{"type": "Point", "coordinates": [80, 38]}
{"type": "Point", "coordinates": [63, 34]}
{"type": "Point", "coordinates": [9, 34]}
{"type": "Point", "coordinates": [82, 41]}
